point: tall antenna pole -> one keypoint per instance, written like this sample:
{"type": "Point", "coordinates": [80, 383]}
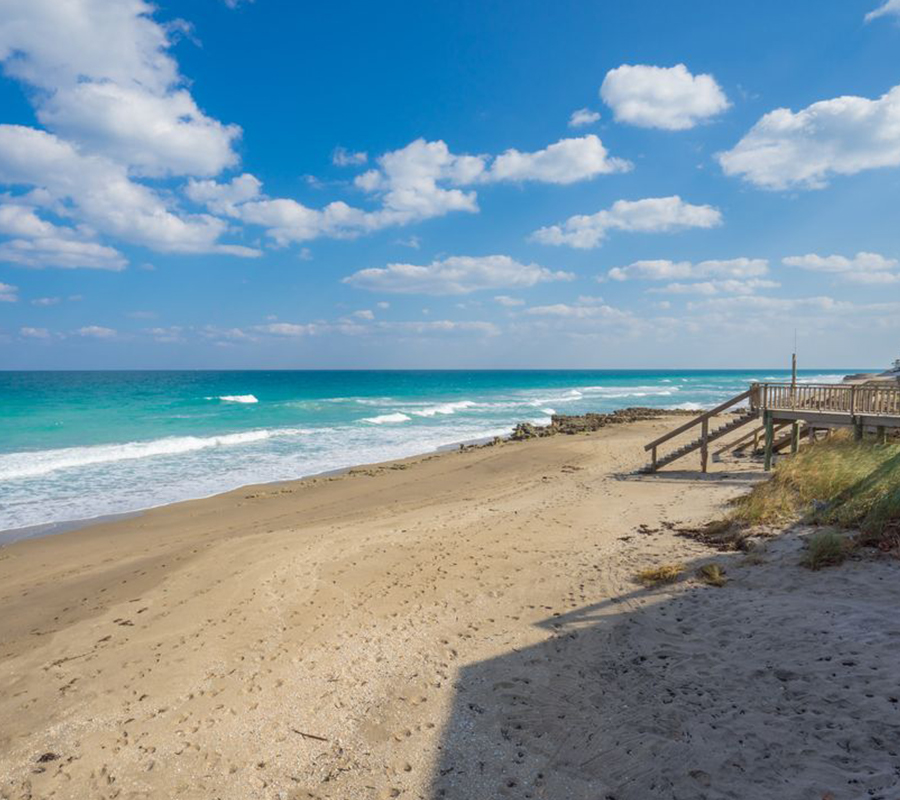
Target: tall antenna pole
{"type": "Point", "coordinates": [794, 361]}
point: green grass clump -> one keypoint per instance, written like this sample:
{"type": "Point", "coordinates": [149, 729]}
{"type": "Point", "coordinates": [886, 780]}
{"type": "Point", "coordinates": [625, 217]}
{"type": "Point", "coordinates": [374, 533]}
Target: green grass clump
{"type": "Point", "coordinates": [712, 574]}
{"type": "Point", "coordinates": [837, 482]}
{"type": "Point", "coordinates": [656, 576]}
{"type": "Point", "coordinates": [825, 549]}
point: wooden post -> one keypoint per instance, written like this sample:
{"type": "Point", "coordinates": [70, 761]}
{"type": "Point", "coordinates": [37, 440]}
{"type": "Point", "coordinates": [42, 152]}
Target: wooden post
{"type": "Point", "coordinates": [704, 448]}
{"type": "Point", "coordinates": [653, 461]}
{"type": "Point", "coordinates": [770, 438]}
{"type": "Point", "coordinates": [882, 434]}
{"type": "Point", "coordinates": [858, 430]}
{"type": "Point", "coordinates": [795, 437]}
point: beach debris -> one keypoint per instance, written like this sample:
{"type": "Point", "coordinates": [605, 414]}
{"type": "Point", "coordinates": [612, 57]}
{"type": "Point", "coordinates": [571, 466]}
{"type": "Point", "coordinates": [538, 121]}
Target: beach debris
{"type": "Point", "coordinates": [50, 756]}
{"type": "Point", "coordinates": [309, 735]}
{"type": "Point", "coordinates": [657, 576]}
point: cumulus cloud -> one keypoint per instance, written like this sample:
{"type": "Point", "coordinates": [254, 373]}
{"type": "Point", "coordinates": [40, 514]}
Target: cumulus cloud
{"type": "Point", "coordinates": [867, 268]}
{"type": "Point", "coordinates": [582, 117]}
{"type": "Point", "coordinates": [38, 243]}
{"type": "Point", "coordinates": [8, 293]}
{"type": "Point", "coordinates": [663, 269]}
{"type": "Point", "coordinates": [342, 157]}
{"type": "Point", "coordinates": [454, 275]}
{"type": "Point", "coordinates": [888, 7]}
{"type": "Point", "coordinates": [106, 80]}
{"type": "Point", "coordinates": [103, 196]}
{"type": "Point", "coordinates": [661, 97]}
{"type": "Point", "coordinates": [420, 181]}
{"type": "Point", "coordinates": [34, 333]}
{"type": "Point", "coordinates": [651, 215]}
{"type": "Point", "coordinates": [97, 332]}
{"type": "Point", "coordinates": [508, 302]}
{"type": "Point", "coordinates": [116, 110]}
{"type": "Point", "coordinates": [577, 311]}
{"type": "Point", "coordinates": [717, 287]}
{"type": "Point", "coordinates": [803, 150]}
{"type": "Point", "coordinates": [566, 161]}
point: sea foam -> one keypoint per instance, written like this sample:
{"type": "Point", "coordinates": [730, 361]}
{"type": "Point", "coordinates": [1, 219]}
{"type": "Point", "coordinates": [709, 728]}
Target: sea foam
{"type": "Point", "coordinates": [43, 462]}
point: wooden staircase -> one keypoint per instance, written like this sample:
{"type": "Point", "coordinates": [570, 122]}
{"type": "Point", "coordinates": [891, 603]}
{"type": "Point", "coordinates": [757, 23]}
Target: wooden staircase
{"type": "Point", "coordinates": [701, 443]}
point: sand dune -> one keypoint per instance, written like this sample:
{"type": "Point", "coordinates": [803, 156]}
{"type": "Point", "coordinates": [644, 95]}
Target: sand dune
{"type": "Point", "coordinates": [463, 625]}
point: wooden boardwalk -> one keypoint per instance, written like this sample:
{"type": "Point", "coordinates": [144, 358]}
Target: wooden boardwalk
{"type": "Point", "coordinates": [806, 408]}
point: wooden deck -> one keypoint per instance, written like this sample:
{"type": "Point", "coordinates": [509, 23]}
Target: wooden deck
{"type": "Point", "coordinates": [806, 408]}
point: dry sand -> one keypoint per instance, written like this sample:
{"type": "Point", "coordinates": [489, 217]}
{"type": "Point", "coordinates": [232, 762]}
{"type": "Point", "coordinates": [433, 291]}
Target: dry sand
{"type": "Point", "coordinates": [460, 626]}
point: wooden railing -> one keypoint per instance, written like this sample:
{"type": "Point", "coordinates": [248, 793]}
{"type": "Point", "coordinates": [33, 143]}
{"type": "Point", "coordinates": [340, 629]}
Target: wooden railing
{"type": "Point", "coordinates": [826, 397]}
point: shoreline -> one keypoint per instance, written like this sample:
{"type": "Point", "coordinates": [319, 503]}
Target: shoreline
{"type": "Point", "coordinates": [446, 626]}
{"type": "Point", "coordinates": [10, 536]}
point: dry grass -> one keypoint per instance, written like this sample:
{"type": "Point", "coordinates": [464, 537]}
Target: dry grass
{"type": "Point", "coordinates": [712, 574]}
{"type": "Point", "coordinates": [657, 576]}
{"type": "Point", "coordinates": [825, 549]}
{"type": "Point", "coordinates": [836, 482]}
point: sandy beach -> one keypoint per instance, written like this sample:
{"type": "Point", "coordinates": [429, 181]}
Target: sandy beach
{"type": "Point", "coordinates": [461, 625]}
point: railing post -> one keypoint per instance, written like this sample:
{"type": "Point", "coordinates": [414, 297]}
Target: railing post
{"type": "Point", "coordinates": [704, 448]}
{"type": "Point", "coordinates": [770, 438]}
{"type": "Point", "coordinates": [852, 400]}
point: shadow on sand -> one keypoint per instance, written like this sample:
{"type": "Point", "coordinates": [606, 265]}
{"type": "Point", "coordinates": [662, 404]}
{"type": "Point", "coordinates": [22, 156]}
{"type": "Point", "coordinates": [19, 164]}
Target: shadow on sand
{"type": "Point", "coordinates": [696, 693]}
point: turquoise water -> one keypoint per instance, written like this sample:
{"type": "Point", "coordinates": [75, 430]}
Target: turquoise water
{"type": "Point", "coordinates": [77, 445]}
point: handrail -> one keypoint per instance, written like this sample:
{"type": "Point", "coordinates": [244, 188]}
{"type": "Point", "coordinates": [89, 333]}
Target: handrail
{"type": "Point", "coordinates": [828, 397]}
{"type": "Point", "coordinates": [702, 418]}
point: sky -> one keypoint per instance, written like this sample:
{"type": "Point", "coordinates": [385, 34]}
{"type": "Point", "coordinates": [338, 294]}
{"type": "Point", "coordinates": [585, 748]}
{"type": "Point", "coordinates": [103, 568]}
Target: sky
{"type": "Point", "coordinates": [222, 184]}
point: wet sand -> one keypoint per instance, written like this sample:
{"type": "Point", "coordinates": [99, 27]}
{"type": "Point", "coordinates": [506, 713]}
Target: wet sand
{"type": "Point", "coordinates": [459, 625]}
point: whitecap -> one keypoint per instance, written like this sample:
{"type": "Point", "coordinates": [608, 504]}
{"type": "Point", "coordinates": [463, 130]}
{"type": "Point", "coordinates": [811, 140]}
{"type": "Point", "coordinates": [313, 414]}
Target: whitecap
{"type": "Point", "coordinates": [235, 398]}
{"type": "Point", "coordinates": [384, 418]}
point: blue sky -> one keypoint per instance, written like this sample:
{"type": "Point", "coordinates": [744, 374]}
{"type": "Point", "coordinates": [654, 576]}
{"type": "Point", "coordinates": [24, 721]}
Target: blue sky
{"type": "Point", "coordinates": [576, 184]}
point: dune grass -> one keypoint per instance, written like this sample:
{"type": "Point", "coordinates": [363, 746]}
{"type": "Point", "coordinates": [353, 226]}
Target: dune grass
{"type": "Point", "coordinates": [712, 574]}
{"type": "Point", "coordinates": [837, 482]}
{"type": "Point", "coordinates": [825, 549]}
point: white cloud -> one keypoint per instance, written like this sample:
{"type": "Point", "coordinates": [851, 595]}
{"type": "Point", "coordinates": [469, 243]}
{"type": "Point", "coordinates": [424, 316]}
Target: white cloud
{"type": "Point", "coordinates": [661, 97]}
{"type": "Point", "coordinates": [288, 329]}
{"type": "Point", "coordinates": [37, 243]}
{"type": "Point", "coordinates": [578, 311]}
{"type": "Point", "coordinates": [805, 149]}
{"type": "Point", "coordinates": [717, 287]}
{"type": "Point", "coordinates": [508, 302]}
{"type": "Point", "coordinates": [103, 196]}
{"type": "Point", "coordinates": [34, 333]}
{"type": "Point", "coordinates": [439, 326]}
{"type": "Point", "coordinates": [105, 79]}
{"type": "Point", "coordinates": [662, 269]}
{"type": "Point", "coordinates": [46, 301]}
{"type": "Point", "coordinates": [8, 293]}
{"type": "Point", "coordinates": [454, 275]}
{"type": "Point", "coordinates": [345, 158]}
{"type": "Point", "coordinates": [97, 332]}
{"type": "Point", "coordinates": [867, 268]}
{"type": "Point", "coordinates": [413, 182]}
{"type": "Point", "coordinates": [582, 117]}
{"type": "Point", "coordinates": [364, 313]}
{"type": "Point", "coordinates": [651, 215]}
{"type": "Point", "coordinates": [566, 161]}
{"type": "Point", "coordinates": [223, 198]}
{"type": "Point", "coordinates": [886, 8]}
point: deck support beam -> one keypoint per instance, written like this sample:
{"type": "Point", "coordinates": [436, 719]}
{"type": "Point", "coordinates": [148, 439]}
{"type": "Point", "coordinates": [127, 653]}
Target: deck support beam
{"type": "Point", "coordinates": [858, 430]}
{"type": "Point", "coordinates": [882, 434]}
{"type": "Point", "coordinates": [770, 439]}
{"type": "Point", "coordinates": [795, 437]}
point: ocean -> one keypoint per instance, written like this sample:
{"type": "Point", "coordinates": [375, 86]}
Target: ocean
{"type": "Point", "coordinates": [81, 445]}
